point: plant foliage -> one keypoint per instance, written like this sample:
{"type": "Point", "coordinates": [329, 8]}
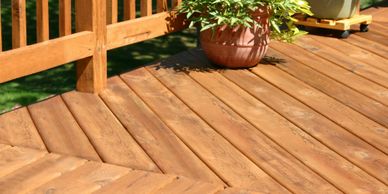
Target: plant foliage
{"type": "Point", "coordinates": [210, 14]}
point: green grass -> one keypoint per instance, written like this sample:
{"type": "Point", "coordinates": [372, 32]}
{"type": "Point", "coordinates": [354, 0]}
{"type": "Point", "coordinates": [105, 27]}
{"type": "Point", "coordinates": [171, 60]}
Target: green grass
{"type": "Point", "coordinates": [39, 86]}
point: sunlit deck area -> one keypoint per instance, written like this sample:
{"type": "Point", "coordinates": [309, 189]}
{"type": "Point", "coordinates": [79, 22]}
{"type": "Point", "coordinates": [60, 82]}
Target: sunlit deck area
{"type": "Point", "coordinates": [311, 118]}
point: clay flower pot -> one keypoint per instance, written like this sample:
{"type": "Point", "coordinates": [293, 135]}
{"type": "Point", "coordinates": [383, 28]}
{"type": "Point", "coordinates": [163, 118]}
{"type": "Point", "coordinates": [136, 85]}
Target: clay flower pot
{"type": "Point", "coordinates": [240, 47]}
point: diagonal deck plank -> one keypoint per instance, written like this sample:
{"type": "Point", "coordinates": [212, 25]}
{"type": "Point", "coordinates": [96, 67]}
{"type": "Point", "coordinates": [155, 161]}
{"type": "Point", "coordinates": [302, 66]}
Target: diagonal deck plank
{"type": "Point", "coordinates": [187, 186]}
{"type": "Point", "coordinates": [232, 166]}
{"type": "Point", "coordinates": [348, 145]}
{"type": "Point", "coordinates": [355, 122]}
{"type": "Point", "coordinates": [137, 182]}
{"type": "Point", "coordinates": [374, 111]}
{"type": "Point", "coordinates": [354, 52]}
{"type": "Point", "coordinates": [300, 144]}
{"type": "Point", "coordinates": [333, 71]}
{"type": "Point", "coordinates": [342, 60]}
{"type": "Point", "coordinates": [243, 135]}
{"type": "Point", "coordinates": [113, 143]}
{"type": "Point", "coordinates": [168, 151]}
{"type": "Point", "coordinates": [369, 45]}
{"type": "Point", "coordinates": [37, 173]}
{"type": "Point", "coordinates": [17, 128]}
{"type": "Point", "coordinates": [87, 178]}
{"type": "Point", "coordinates": [60, 131]}
{"type": "Point", "coordinates": [14, 158]}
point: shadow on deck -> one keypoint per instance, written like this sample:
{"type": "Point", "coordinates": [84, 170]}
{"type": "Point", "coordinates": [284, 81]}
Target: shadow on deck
{"type": "Point", "coordinates": [313, 118]}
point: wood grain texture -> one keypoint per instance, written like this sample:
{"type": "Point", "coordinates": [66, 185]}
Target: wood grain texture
{"type": "Point", "coordinates": [37, 173]}
{"type": "Point", "coordinates": [129, 9]}
{"type": "Point", "coordinates": [341, 141]}
{"type": "Point", "coordinates": [87, 178]}
{"type": "Point", "coordinates": [340, 59]}
{"type": "Point", "coordinates": [60, 131]}
{"type": "Point", "coordinates": [42, 20]}
{"type": "Point", "coordinates": [369, 45]}
{"type": "Point", "coordinates": [250, 141]}
{"type": "Point", "coordinates": [375, 111]}
{"type": "Point", "coordinates": [145, 8]}
{"type": "Point", "coordinates": [92, 71]}
{"type": "Point", "coordinates": [186, 186]}
{"type": "Point", "coordinates": [143, 28]}
{"type": "Point", "coordinates": [14, 158]}
{"type": "Point", "coordinates": [19, 24]}
{"type": "Point", "coordinates": [64, 17]}
{"type": "Point", "coordinates": [335, 72]}
{"type": "Point", "coordinates": [161, 5]}
{"type": "Point", "coordinates": [34, 58]}
{"type": "Point", "coordinates": [17, 129]}
{"type": "Point", "coordinates": [165, 148]}
{"type": "Point", "coordinates": [355, 52]}
{"type": "Point", "coordinates": [233, 190]}
{"type": "Point", "coordinates": [111, 11]}
{"type": "Point", "coordinates": [110, 139]}
{"type": "Point", "coordinates": [224, 159]}
{"type": "Point", "coordinates": [341, 172]}
{"type": "Point", "coordinates": [137, 182]}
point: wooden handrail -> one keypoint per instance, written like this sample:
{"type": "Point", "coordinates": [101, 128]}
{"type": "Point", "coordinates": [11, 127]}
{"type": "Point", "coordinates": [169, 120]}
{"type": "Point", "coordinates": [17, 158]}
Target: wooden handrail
{"type": "Point", "coordinates": [97, 31]}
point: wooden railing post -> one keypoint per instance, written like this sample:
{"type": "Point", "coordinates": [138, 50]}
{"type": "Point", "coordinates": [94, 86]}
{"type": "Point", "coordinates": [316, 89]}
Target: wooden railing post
{"type": "Point", "coordinates": [92, 71]}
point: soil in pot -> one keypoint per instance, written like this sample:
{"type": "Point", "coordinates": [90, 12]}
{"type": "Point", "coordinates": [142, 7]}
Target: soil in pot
{"type": "Point", "coordinates": [238, 47]}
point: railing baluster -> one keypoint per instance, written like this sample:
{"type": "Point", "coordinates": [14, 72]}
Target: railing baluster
{"type": "Point", "coordinates": [146, 7]}
{"type": "Point", "coordinates": [111, 12]}
{"type": "Point", "coordinates": [129, 9]}
{"type": "Point", "coordinates": [1, 36]}
{"type": "Point", "coordinates": [19, 32]}
{"type": "Point", "coordinates": [175, 3]}
{"type": "Point", "coordinates": [161, 6]}
{"type": "Point", "coordinates": [42, 20]}
{"type": "Point", "coordinates": [92, 71]}
{"type": "Point", "coordinates": [64, 17]}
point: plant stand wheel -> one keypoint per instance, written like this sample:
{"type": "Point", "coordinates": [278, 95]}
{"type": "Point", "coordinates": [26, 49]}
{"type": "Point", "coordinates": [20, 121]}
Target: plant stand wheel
{"type": "Point", "coordinates": [364, 27]}
{"type": "Point", "coordinates": [344, 34]}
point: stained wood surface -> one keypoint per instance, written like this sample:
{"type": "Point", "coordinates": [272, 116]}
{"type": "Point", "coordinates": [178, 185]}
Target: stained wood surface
{"type": "Point", "coordinates": [42, 20]}
{"type": "Point", "coordinates": [129, 9]}
{"type": "Point", "coordinates": [18, 129]}
{"type": "Point", "coordinates": [60, 131]}
{"type": "Point", "coordinates": [311, 118]}
{"type": "Point", "coordinates": [242, 134]}
{"type": "Point", "coordinates": [199, 136]}
{"type": "Point", "coordinates": [19, 23]}
{"type": "Point", "coordinates": [165, 148]}
{"type": "Point", "coordinates": [24, 170]}
{"type": "Point", "coordinates": [64, 17]}
{"type": "Point", "coordinates": [111, 140]}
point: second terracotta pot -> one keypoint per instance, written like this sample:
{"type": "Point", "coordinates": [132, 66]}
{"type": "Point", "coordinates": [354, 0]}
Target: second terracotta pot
{"type": "Point", "coordinates": [240, 47]}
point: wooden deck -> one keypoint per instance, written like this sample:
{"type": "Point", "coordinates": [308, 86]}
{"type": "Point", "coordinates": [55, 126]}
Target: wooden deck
{"type": "Point", "coordinates": [313, 118]}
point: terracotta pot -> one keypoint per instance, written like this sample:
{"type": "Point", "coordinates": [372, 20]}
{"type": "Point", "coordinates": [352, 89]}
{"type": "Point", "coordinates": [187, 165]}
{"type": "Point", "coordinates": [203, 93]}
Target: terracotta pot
{"type": "Point", "coordinates": [240, 47]}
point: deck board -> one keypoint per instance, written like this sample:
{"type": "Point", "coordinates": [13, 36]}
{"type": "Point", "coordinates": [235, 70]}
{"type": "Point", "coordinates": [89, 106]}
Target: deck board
{"type": "Point", "coordinates": [60, 131]}
{"type": "Point", "coordinates": [17, 128]}
{"type": "Point", "coordinates": [268, 155]}
{"type": "Point", "coordinates": [165, 148]}
{"type": "Point", "coordinates": [113, 143]}
{"type": "Point", "coordinates": [230, 164]}
{"type": "Point", "coordinates": [314, 121]}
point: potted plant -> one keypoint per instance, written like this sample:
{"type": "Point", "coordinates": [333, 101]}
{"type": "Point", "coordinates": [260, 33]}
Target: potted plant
{"type": "Point", "coordinates": [236, 33]}
{"type": "Point", "coordinates": [334, 9]}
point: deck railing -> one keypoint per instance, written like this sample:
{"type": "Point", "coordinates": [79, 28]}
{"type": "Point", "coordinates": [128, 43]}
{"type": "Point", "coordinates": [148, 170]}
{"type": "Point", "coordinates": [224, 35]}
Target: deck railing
{"type": "Point", "coordinates": [97, 30]}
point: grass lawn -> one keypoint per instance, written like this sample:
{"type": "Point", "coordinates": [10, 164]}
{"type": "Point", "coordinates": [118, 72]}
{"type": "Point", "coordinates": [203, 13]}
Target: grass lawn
{"type": "Point", "coordinates": [39, 86]}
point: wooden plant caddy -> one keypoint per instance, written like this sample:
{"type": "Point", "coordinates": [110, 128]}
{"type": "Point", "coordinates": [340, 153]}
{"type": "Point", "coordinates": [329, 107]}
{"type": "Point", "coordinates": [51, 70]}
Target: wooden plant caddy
{"type": "Point", "coordinates": [342, 25]}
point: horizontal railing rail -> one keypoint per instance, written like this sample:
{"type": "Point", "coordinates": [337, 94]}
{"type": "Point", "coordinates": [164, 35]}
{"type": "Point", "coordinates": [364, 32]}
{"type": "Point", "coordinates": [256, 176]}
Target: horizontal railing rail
{"type": "Point", "coordinates": [97, 30]}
